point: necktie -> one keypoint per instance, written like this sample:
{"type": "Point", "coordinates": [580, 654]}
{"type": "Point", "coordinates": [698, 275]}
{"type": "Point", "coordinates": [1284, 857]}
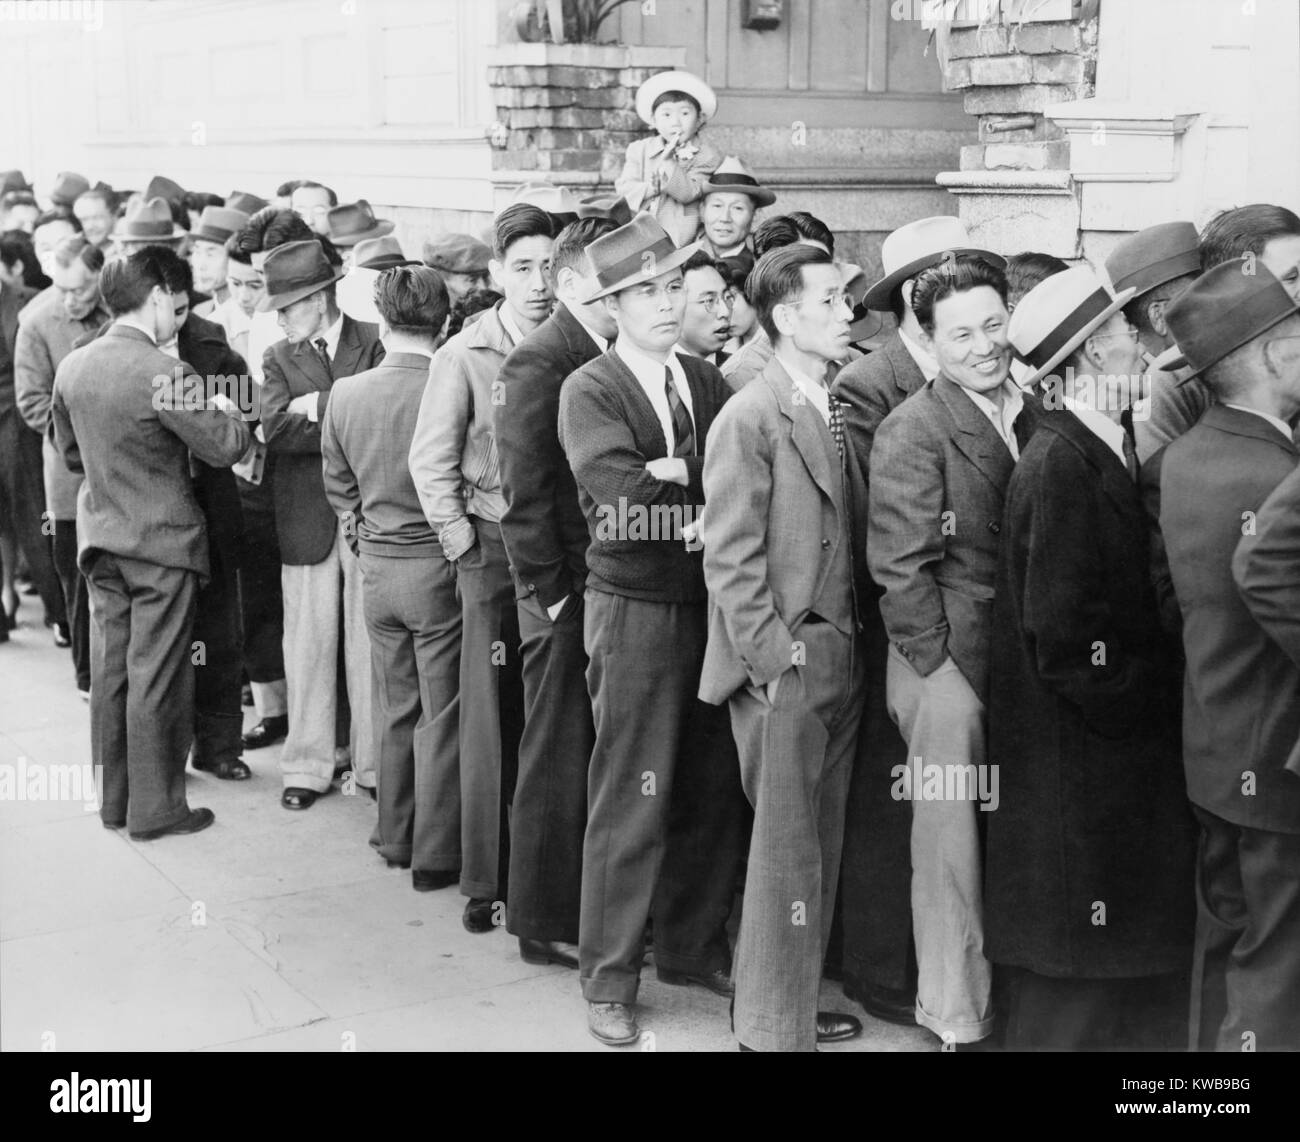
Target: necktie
{"type": "Point", "coordinates": [322, 347]}
{"type": "Point", "coordinates": [683, 429]}
{"type": "Point", "coordinates": [1130, 458]}
{"type": "Point", "coordinates": [837, 425]}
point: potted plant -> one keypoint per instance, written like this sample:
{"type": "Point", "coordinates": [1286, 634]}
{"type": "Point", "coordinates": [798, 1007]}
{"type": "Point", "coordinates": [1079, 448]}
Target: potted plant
{"type": "Point", "coordinates": [563, 21]}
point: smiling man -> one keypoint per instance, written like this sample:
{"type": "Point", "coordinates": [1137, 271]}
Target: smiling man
{"type": "Point", "coordinates": [732, 197]}
{"type": "Point", "coordinates": [940, 464]}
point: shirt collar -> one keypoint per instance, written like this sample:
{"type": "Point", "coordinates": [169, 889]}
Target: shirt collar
{"type": "Point", "coordinates": [1108, 431]}
{"type": "Point", "coordinates": [925, 361]}
{"type": "Point", "coordinates": [1276, 422]}
{"type": "Point", "coordinates": [602, 343]}
{"type": "Point", "coordinates": [818, 395]}
{"type": "Point", "coordinates": [130, 323]}
{"type": "Point", "coordinates": [509, 324]}
{"type": "Point", "coordinates": [332, 335]}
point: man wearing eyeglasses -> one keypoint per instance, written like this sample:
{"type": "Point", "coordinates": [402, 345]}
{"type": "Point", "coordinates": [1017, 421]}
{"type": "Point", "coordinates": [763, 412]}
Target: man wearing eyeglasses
{"type": "Point", "coordinates": [706, 321]}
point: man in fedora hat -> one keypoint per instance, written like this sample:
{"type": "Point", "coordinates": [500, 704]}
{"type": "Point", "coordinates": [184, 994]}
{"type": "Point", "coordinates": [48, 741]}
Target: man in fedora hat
{"type": "Point", "coordinates": [545, 536]}
{"type": "Point", "coordinates": [352, 223]}
{"type": "Point", "coordinates": [665, 174]}
{"type": "Point", "coordinates": [356, 291]}
{"type": "Point", "coordinates": [784, 649]}
{"type": "Point", "coordinates": [150, 223]}
{"type": "Point", "coordinates": [14, 180]}
{"type": "Point", "coordinates": [876, 899]}
{"type": "Point", "coordinates": [666, 814]}
{"type": "Point", "coordinates": [732, 196]}
{"type": "Point", "coordinates": [461, 260]}
{"type": "Point", "coordinates": [1240, 332]}
{"type": "Point", "coordinates": [208, 258]}
{"type": "Point", "coordinates": [241, 200]}
{"type": "Point", "coordinates": [96, 209]}
{"type": "Point", "coordinates": [940, 463]}
{"type": "Point", "coordinates": [320, 576]}
{"type": "Point", "coordinates": [412, 613]}
{"type": "Point", "coordinates": [143, 537]}
{"type": "Point", "coordinates": [454, 463]}
{"type": "Point", "coordinates": [1088, 873]}
{"type": "Point", "coordinates": [68, 187]}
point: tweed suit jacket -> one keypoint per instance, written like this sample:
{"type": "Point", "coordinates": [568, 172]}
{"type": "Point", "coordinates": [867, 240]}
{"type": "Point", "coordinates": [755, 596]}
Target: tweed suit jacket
{"type": "Point", "coordinates": [938, 476]}
{"type": "Point", "coordinates": [304, 521]}
{"type": "Point", "coordinates": [776, 518]}
{"type": "Point", "coordinates": [871, 388]}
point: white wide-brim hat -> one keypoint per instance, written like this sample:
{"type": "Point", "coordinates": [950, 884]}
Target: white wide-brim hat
{"type": "Point", "coordinates": [916, 247]}
{"type": "Point", "coordinates": [692, 85]}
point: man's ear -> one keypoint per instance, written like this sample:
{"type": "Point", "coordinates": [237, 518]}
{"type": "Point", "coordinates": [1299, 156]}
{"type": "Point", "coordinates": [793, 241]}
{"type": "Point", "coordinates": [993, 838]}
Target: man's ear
{"type": "Point", "coordinates": [1091, 352]}
{"type": "Point", "coordinates": [905, 291]}
{"type": "Point", "coordinates": [496, 271]}
{"type": "Point", "coordinates": [1281, 356]}
{"type": "Point", "coordinates": [1156, 315]}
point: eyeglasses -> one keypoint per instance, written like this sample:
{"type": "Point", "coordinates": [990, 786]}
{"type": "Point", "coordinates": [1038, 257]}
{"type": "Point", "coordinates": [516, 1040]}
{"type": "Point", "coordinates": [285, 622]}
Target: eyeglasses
{"type": "Point", "coordinates": [831, 300]}
{"type": "Point", "coordinates": [1131, 334]}
{"type": "Point", "coordinates": [713, 301]}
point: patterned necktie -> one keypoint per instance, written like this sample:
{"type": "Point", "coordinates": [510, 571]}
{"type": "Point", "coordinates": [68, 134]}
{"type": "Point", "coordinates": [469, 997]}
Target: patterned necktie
{"type": "Point", "coordinates": [1130, 458]}
{"type": "Point", "coordinates": [837, 424]}
{"type": "Point", "coordinates": [322, 347]}
{"type": "Point", "coordinates": [683, 429]}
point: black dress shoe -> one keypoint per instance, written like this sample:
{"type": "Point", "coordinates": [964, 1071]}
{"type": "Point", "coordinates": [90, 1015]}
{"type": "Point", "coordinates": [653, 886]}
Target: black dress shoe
{"type": "Point", "coordinates": [718, 982]}
{"type": "Point", "coordinates": [294, 798]}
{"type": "Point", "coordinates": [267, 732]}
{"type": "Point", "coordinates": [232, 769]}
{"type": "Point", "coordinates": [548, 952]}
{"type": "Point", "coordinates": [832, 1027]}
{"type": "Point", "coordinates": [478, 916]}
{"type": "Point", "coordinates": [430, 880]}
{"type": "Point", "coordinates": [195, 822]}
{"type": "Point", "coordinates": [889, 1004]}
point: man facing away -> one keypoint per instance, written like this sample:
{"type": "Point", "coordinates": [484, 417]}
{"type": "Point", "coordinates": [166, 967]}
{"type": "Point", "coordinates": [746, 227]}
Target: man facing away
{"type": "Point", "coordinates": [144, 544]}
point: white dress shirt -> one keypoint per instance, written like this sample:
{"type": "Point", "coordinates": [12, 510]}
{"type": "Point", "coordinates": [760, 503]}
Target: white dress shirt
{"type": "Point", "coordinates": [263, 332]}
{"type": "Point", "coordinates": [1003, 419]}
{"type": "Point", "coordinates": [1110, 432]}
{"type": "Point", "coordinates": [818, 395]}
{"type": "Point", "coordinates": [331, 335]}
{"type": "Point", "coordinates": [924, 361]}
{"type": "Point", "coordinates": [650, 375]}
{"type": "Point", "coordinates": [1277, 422]}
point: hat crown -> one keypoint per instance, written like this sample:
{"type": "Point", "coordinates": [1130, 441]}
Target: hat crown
{"type": "Point", "coordinates": [250, 204]}
{"type": "Point", "coordinates": [732, 164]}
{"type": "Point", "coordinates": [546, 196]}
{"type": "Point", "coordinates": [636, 248]}
{"type": "Point", "coordinates": [351, 217]}
{"type": "Point", "coordinates": [683, 81]}
{"type": "Point", "coordinates": [457, 254]}
{"type": "Point", "coordinates": [162, 187]}
{"type": "Point", "coordinates": [1049, 305]}
{"type": "Point", "coordinates": [925, 238]}
{"type": "Point", "coordinates": [296, 265]}
{"type": "Point", "coordinates": [220, 219]}
{"type": "Point", "coordinates": [614, 207]}
{"type": "Point", "coordinates": [372, 248]}
{"type": "Point", "coordinates": [149, 217]}
{"type": "Point", "coordinates": [1154, 256]}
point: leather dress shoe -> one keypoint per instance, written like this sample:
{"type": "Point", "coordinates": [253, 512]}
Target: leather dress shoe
{"type": "Point", "coordinates": [430, 880]}
{"type": "Point", "coordinates": [231, 769]}
{"type": "Point", "coordinates": [832, 1027]}
{"type": "Point", "coordinates": [267, 732]}
{"type": "Point", "coordinates": [613, 1024]}
{"type": "Point", "coordinates": [196, 821]}
{"type": "Point", "coordinates": [477, 917]}
{"type": "Point", "coordinates": [718, 981]}
{"type": "Point", "coordinates": [889, 1004]}
{"type": "Point", "coordinates": [294, 798]}
{"type": "Point", "coordinates": [548, 952]}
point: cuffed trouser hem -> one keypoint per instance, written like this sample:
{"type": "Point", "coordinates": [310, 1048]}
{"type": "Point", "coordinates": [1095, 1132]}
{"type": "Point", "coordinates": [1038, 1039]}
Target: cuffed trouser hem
{"type": "Point", "coordinates": [307, 780]}
{"type": "Point", "coordinates": [611, 990]}
{"type": "Point", "coordinates": [951, 1032]}
{"type": "Point", "coordinates": [270, 699]}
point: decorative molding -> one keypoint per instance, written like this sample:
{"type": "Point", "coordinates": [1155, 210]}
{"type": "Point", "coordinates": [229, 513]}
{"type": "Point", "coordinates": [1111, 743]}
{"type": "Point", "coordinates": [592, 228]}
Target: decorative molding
{"type": "Point", "coordinates": [1121, 142]}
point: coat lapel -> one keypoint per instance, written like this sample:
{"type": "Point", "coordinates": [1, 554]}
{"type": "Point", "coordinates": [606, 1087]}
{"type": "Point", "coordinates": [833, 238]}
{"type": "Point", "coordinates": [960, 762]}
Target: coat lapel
{"type": "Point", "coordinates": [647, 424]}
{"type": "Point", "coordinates": [978, 439]}
{"type": "Point", "coordinates": [803, 431]}
{"type": "Point", "coordinates": [907, 374]}
{"type": "Point", "coordinates": [312, 367]}
{"type": "Point", "coordinates": [1111, 472]}
{"type": "Point", "coordinates": [1238, 423]}
{"type": "Point", "coordinates": [348, 355]}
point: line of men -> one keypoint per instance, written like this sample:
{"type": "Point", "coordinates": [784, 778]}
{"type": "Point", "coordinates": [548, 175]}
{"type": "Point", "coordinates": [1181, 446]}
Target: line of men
{"type": "Point", "coordinates": [931, 537]}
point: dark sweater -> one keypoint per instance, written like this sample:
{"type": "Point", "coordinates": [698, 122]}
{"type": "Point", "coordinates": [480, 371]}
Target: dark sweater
{"type": "Point", "coordinates": [609, 432]}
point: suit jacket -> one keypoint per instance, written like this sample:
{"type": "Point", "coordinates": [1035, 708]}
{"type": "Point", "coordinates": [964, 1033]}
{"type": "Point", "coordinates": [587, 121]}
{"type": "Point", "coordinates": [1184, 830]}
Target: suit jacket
{"type": "Point", "coordinates": [365, 440]}
{"type": "Point", "coordinates": [871, 388]}
{"type": "Point", "coordinates": [609, 430]}
{"type": "Point", "coordinates": [776, 522]}
{"type": "Point", "coordinates": [677, 205]}
{"type": "Point", "coordinates": [1092, 803]}
{"type": "Point", "coordinates": [938, 475]}
{"type": "Point", "coordinates": [543, 527]}
{"type": "Point", "coordinates": [138, 499]}
{"type": "Point", "coordinates": [12, 300]}
{"type": "Point", "coordinates": [1176, 404]}
{"type": "Point", "coordinates": [304, 521]}
{"type": "Point", "coordinates": [1241, 695]}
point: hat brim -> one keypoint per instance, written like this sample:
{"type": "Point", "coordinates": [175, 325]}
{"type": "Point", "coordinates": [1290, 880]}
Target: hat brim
{"type": "Point", "coordinates": [280, 300]}
{"type": "Point", "coordinates": [378, 230]}
{"type": "Point", "coordinates": [662, 266]}
{"type": "Point", "coordinates": [1239, 342]}
{"type": "Point", "coordinates": [692, 85]}
{"type": "Point", "coordinates": [120, 235]}
{"type": "Point", "coordinates": [877, 297]}
{"type": "Point", "coordinates": [760, 194]}
{"type": "Point", "coordinates": [1121, 300]}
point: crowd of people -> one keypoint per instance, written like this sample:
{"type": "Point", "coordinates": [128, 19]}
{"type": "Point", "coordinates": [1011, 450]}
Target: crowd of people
{"type": "Point", "coordinates": [660, 605]}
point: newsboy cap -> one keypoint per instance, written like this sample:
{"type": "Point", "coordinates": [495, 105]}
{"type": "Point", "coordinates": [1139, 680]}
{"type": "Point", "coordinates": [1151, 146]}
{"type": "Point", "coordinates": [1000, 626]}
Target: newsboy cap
{"type": "Point", "coordinates": [457, 254]}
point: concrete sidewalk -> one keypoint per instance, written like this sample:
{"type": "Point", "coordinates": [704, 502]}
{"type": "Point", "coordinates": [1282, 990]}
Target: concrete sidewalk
{"type": "Point", "coordinates": [269, 931]}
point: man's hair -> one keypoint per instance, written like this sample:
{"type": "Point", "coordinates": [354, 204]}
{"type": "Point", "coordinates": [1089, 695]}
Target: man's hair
{"type": "Point", "coordinates": [676, 97]}
{"type": "Point", "coordinates": [778, 278]}
{"type": "Point", "coordinates": [308, 184]}
{"type": "Point", "coordinates": [1136, 309]}
{"type": "Point", "coordinates": [106, 196]}
{"type": "Point", "coordinates": [813, 228]}
{"type": "Point", "coordinates": [58, 214]}
{"type": "Point", "coordinates": [196, 200]}
{"type": "Point", "coordinates": [412, 299]}
{"type": "Point", "coordinates": [237, 251]}
{"type": "Point", "coordinates": [1026, 270]}
{"type": "Point", "coordinates": [285, 189]}
{"type": "Point", "coordinates": [570, 249]}
{"type": "Point", "coordinates": [78, 248]}
{"type": "Point", "coordinates": [1244, 229]}
{"type": "Point", "coordinates": [962, 273]}
{"type": "Point", "coordinates": [16, 246]}
{"type": "Point", "coordinates": [12, 198]}
{"type": "Point", "coordinates": [522, 220]}
{"type": "Point", "coordinates": [126, 282]}
{"type": "Point", "coordinates": [701, 260]}
{"type": "Point", "coordinates": [787, 229]}
{"type": "Point", "coordinates": [735, 272]}
{"type": "Point", "coordinates": [473, 302]}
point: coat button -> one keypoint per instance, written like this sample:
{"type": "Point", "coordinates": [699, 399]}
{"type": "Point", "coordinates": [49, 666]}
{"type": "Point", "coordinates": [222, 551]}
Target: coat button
{"type": "Point", "coordinates": [826, 543]}
{"type": "Point", "coordinates": [994, 526]}
{"type": "Point", "coordinates": [532, 588]}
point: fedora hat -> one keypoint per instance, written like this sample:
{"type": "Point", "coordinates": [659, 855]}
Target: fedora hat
{"type": "Point", "coordinates": [380, 254]}
{"type": "Point", "coordinates": [355, 222]}
{"type": "Point", "coordinates": [160, 186]}
{"type": "Point", "coordinates": [149, 221]}
{"type": "Point", "coordinates": [1154, 256]}
{"type": "Point", "coordinates": [294, 271]}
{"type": "Point", "coordinates": [637, 252]}
{"type": "Point", "coordinates": [217, 223]}
{"type": "Point", "coordinates": [613, 206]}
{"type": "Point", "coordinates": [1058, 315]}
{"type": "Point", "coordinates": [1227, 306]}
{"type": "Point", "coordinates": [14, 180]}
{"type": "Point", "coordinates": [733, 177]}
{"type": "Point", "coordinates": [250, 204]}
{"type": "Point", "coordinates": [917, 246]}
{"type": "Point", "coordinates": [68, 187]}
{"type": "Point", "coordinates": [683, 81]}
{"type": "Point", "coordinates": [546, 196]}
{"type": "Point", "coordinates": [457, 254]}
